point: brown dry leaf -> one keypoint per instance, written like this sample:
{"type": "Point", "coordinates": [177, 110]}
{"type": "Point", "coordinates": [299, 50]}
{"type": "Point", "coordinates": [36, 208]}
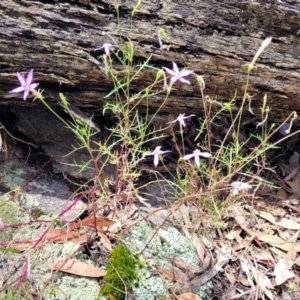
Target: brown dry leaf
{"type": "Point", "coordinates": [279, 243]}
{"type": "Point", "coordinates": [263, 190]}
{"type": "Point", "coordinates": [285, 223]}
{"type": "Point", "coordinates": [295, 184]}
{"type": "Point", "coordinates": [111, 297]}
{"type": "Point", "coordinates": [78, 268]}
{"type": "Point", "coordinates": [173, 274]}
{"type": "Point", "coordinates": [61, 236]}
{"type": "Point", "coordinates": [282, 271]}
{"type": "Point", "coordinates": [239, 215]}
{"type": "Point", "coordinates": [244, 244]}
{"type": "Point", "coordinates": [291, 254]}
{"type": "Point", "coordinates": [288, 224]}
{"type": "Point", "coordinates": [293, 201]}
{"type": "Point", "coordinates": [279, 253]}
{"type": "Point", "coordinates": [234, 234]}
{"type": "Point", "coordinates": [229, 272]}
{"type": "Point", "coordinates": [244, 281]}
{"type": "Point", "coordinates": [280, 233]}
{"type": "Point", "coordinates": [183, 213]}
{"type": "Point", "coordinates": [166, 273]}
{"type": "Point", "coordinates": [197, 243]}
{"type": "Point", "coordinates": [207, 261]}
{"type": "Point", "coordinates": [22, 246]}
{"type": "Point", "coordinates": [297, 263]}
{"type": "Point", "coordinates": [105, 241]}
{"type": "Point", "coordinates": [259, 278]}
{"type": "Point", "coordinates": [90, 221]}
{"type": "Point", "coordinates": [183, 265]}
{"type": "Point", "coordinates": [56, 235]}
{"type": "Point", "coordinates": [189, 296]}
{"type": "Point", "coordinates": [249, 231]}
{"type": "Point", "coordinates": [260, 254]}
{"type": "Point", "coordinates": [294, 237]}
{"type": "Point", "coordinates": [199, 246]}
{"type": "Point", "coordinates": [282, 194]}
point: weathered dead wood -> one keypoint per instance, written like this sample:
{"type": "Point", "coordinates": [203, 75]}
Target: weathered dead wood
{"type": "Point", "coordinates": [214, 38]}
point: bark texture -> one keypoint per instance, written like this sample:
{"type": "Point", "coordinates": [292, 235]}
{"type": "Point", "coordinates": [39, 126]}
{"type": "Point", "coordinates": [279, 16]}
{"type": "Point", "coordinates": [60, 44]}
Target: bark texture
{"type": "Point", "coordinates": [216, 39]}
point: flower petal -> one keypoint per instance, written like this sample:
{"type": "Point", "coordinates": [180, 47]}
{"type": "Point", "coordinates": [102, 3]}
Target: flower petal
{"type": "Point", "coordinates": [157, 149]}
{"type": "Point", "coordinates": [25, 95]}
{"type": "Point", "coordinates": [33, 86]}
{"type": "Point", "coordinates": [172, 121]}
{"type": "Point", "coordinates": [173, 80]}
{"type": "Point", "coordinates": [175, 68]}
{"type": "Point", "coordinates": [192, 115]}
{"type": "Point", "coordinates": [188, 156]}
{"type": "Point", "coordinates": [181, 121]}
{"type": "Point", "coordinates": [21, 79]}
{"type": "Point", "coordinates": [205, 154]}
{"type": "Point", "coordinates": [106, 49]}
{"type": "Point", "coordinates": [184, 80]}
{"type": "Point", "coordinates": [185, 73]}
{"type": "Point", "coordinates": [169, 71]}
{"type": "Point", "coordinates": [29, 77]}
{"type": "Point", "coordinates": [162, 152]}
{"type": "Point", "coordinates": [19, 89]}
{"type": "Point", "coordinates": [98, 48]}
{"type": "Point", "coordinates": [197, 161]}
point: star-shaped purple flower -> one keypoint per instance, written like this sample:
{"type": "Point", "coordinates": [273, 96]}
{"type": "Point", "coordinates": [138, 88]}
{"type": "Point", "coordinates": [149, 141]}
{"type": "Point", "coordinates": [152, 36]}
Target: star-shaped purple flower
{"type": "Point", "coordinates": [180, 119]}
{"type": "Point", "coordinates": [107, 47]}
{"type": "Point", "coordinates": [238, 186]}
{"type": "Point", "coordinates": [196, 154]}
{"type": "Point", "coordinates": [26, 85]}
{"type": "Point", "coordinates": [156, 153]}
{"type": "Point", "coordinates": [177, 75]}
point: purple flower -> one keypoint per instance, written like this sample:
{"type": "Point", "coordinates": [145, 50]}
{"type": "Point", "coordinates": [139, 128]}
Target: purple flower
{"type": "Point", "coordinates": [238, 186]}
{"type": "Point", "coordinates": [196, 155]}
{"type": "Point", "coordinates": [285, 128]}
{"type": "Point", "coordinates": [107, 47]}
{"type": "Point", "coordinates": [177, 75]}
{"type": "Point", "coordinates": [156, 153]}
{"type": "Point", "coordinates": [180, 119]}
{"type": "Point", "coordinates": [26, 85]}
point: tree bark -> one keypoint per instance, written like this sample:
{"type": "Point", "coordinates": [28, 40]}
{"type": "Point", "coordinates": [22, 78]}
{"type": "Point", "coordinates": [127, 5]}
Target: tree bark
{"type": "Point", "coordinates": [216, 39]}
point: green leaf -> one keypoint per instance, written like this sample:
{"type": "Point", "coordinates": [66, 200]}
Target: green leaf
{"type": "Point", "coordinates": [63, 99]}
{"type": "Point", "coordinates": [136, 8]}
{"type": "Point", "coordinates": [163, 33]}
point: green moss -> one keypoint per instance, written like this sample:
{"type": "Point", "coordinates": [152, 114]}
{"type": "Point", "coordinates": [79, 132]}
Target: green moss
{"type": "Point", "coordinates": [121, 273]}
{"type": "Point", "coordinates": [38, 213]}
{"type": "Point", "coordinates": [10, 213]}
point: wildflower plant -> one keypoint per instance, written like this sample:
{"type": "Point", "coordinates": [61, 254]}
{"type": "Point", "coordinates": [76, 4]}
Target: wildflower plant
{"type": "Point", "coordinates": [133, 133]}
{"type": "Point", "coordinates": [210, 177]}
